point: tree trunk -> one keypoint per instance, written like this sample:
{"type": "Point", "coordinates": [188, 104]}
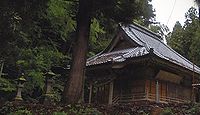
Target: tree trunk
{"type": "Point", "coordinates": [199, 13]}
{"type": "Point", "coordinates": [74, 85]}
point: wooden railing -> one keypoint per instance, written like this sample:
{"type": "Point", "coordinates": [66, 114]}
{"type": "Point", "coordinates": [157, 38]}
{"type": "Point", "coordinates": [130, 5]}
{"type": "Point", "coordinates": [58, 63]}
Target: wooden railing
{"type": "Point", "coordinates": [116, 100]}
{"type": "Point", "coordinates": [128, 98]}
{"type": "Point", "coordinates": [151, 96]}
{"type": "Point", "coordinates": [173, 99]}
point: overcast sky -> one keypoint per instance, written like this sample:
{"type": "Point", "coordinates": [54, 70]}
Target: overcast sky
{"type": "Point", "coordinates": [170, 11]}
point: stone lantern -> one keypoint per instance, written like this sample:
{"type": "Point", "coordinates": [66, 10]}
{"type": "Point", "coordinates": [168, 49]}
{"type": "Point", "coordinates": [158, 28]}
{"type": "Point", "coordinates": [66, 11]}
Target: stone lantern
{"type": "Point", "coordinates": [20, 84]}
{"type": "Point", "coordinates": [48, 87]}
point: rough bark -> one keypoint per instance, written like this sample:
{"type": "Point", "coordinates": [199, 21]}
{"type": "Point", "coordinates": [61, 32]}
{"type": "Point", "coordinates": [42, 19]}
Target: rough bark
{"type": "Point", "coordinates": [198, 3]}
{"type": "Point", "coordinates": [199, 13]}
{"type": "Point", "coordinates": [74, 85]}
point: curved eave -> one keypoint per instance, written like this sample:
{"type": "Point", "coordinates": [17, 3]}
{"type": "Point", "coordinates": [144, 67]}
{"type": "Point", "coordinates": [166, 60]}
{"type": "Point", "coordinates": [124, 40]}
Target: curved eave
{"type": "Point", "coordinates": [174, 66]}
{"type": "Point", "coordinates": [152, 58]}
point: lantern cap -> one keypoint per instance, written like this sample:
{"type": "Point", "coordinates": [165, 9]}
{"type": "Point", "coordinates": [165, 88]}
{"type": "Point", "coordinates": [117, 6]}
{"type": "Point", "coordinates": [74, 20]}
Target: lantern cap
{"type": "Point", "coordinates": [50, 73]}
{"type": "Point", "coordinates": [21, 78]}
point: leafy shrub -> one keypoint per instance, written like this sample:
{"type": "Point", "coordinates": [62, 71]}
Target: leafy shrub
{"type": "Point", "coordinates": [167, 111]}
{"type": "Point", "coordinates": [82, 110]}
{"type": "Point", "coordinates": [194, 110]}
{"type": "Point", "coordinates": [21, 112]}
{"type": "Point", "coordinates": [60, 113]}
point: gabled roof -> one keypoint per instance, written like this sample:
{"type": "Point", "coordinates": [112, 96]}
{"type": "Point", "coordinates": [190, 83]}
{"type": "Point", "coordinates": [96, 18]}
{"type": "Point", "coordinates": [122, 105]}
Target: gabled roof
{"type": "Point", "coordinates": [146, 40]}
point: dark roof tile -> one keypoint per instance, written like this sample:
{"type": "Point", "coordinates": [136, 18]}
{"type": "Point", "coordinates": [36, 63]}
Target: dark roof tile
{"type": "Point", "coordinates": [147, 40]}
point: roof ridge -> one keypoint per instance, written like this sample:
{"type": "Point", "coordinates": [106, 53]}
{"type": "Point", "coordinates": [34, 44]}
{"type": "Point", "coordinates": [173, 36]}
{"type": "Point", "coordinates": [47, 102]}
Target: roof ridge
{"type": "Point", "coordinates": [100, 53]}
{"type": "Point", "coordinates": [113, 52]}
{"type": "Point", "coordinates": [147, 30]}
{"type": "Point", "coordinates": [144, 43]}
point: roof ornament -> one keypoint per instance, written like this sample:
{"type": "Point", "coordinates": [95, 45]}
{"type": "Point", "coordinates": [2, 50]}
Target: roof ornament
{"type": "Point", "coordinates": [143, 51]}
{"type": "Point", "coordinates": [151, 50]}
{"type": "Point", "coordinates": [139, 53]}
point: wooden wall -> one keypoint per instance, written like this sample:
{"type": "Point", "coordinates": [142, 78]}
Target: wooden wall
{"type": "Point", "coordinates": [132, 86]}
{"type": "Point", "coordinates": [167, 90]}
{"type": "Point", "coordinates": [100, 94]}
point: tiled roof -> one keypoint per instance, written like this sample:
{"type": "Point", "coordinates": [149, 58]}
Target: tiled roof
{"type": "Point", "coordinates": [147, 40]}
{"type": "Point", "coordinates": [117, 56]}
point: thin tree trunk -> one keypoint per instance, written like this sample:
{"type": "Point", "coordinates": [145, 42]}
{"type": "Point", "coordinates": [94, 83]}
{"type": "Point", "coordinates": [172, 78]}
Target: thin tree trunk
{"type": "Point", "coordinates": [1, 70]}
{"type": "Point", "coordinates": [198, 3]}
{"type": "Point", "coordinates": [74, 86]}
{"type": "Point", "coordinates": [199, 13]}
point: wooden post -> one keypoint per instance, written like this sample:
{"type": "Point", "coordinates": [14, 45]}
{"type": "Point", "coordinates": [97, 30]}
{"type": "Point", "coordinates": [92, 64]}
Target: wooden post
{"type": "Point", "coordinates": [146, 89]}
{"type": "Point", "coordinates": [104, 93]}
{"type": "Point", "coordinates": [90, 94]}
{"type": "Point", "coordinates": [97, 95]}
{"type": "Point", "coordinates": [110, 93]}
{"type": "Point", "coordinates": [147, 94]}
{"type": "Point", "coordinates": [157, 92]}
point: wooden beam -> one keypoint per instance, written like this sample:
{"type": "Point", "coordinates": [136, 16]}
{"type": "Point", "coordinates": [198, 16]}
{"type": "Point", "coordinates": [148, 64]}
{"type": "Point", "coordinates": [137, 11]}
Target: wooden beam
{"type": "Point", "coordinates": [147, 89]}
{"type": "Point", "coordinates": [167, 76]}
{"type": "Point", "coordinates": [105, 82]}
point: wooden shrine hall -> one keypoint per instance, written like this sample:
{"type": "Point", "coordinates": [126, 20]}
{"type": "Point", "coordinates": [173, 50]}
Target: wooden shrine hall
{"type": "Point", "coordinates": [139, 66]}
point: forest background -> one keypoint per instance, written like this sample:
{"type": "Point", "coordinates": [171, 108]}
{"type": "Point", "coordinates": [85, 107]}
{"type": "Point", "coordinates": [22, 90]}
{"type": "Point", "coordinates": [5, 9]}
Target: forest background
{"type": "Point", "coordinates": [37, 36]}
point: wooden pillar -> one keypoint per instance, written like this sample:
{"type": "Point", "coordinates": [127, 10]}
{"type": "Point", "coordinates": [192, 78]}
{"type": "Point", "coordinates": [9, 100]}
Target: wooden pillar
{"type": "Point", "coordinates": [157, 92]}
{"type": "Point", "coordinates": [110, 93]}
{"type": "Point", "coordinates": [147, 89]}
{"type": "Point", "coordinates": [90, 94]}
{"type": "Point", "coordinates": [97, 95]}
{"type": "Point", "coordinates": [100, 94]}
{"type": "Point", "coordinates": [104, 93]}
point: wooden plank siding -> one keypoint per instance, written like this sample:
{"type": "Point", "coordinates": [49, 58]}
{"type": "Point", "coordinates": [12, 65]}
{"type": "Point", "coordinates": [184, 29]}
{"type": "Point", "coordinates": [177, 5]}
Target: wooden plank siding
{"type": "Point", "coordinates": [138, 86]}
{"type": "Point", "coordinates": [152, 90]}
{"type": "Point", "coordinates": [101, 94]}
{"type": "Point", "coordinates": [136, 90]}
{"type": "Point", "coordinates": [168, 92]}
{"type": "Point", "coordinates": [163, 91]}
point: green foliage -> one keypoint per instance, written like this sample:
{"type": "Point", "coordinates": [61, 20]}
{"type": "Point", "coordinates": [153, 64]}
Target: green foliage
{"type": "Point", "coordinates": [159, 29]}
{"type": "Point", "coordinates": [21, 112]}
{"type": "Point", "coordinates": [167, 111]}
{"type": "Point", "coordinates": [29, 109]}
{"type": "Point", "coordinates": [195, 47]}
{"type": "Point", "coordinates": [107, 14]}
{"type": "Point", "coordinates": [175, 40]}
{"type": "Point", "coordinates": [124, 10]}
{"type": "Point", "coordinates": [35, 35]}
{"type": "Point", "coordinates": [8, 107]}
{"type": "Point", "coordinates": [81, 110]}
{"type": "Point", "coordinates": [60, 113]}
{"type": "Point", "coordinates": [60, 14]}
{"type": "Point", "coordinates": [38, 35]}
{"type": "Point", "coordinates": [96, 42]}
{"type": "Point", "coordinates": [35, 62]}
{"type": "Point", "coordinates": [95, 31]}
{"type": "Point", "coordinates": [194, 109]}
{"type": "Point", "coordinates": [6, 85]}
{"type": "Point", "coordinates": [185, 39]}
